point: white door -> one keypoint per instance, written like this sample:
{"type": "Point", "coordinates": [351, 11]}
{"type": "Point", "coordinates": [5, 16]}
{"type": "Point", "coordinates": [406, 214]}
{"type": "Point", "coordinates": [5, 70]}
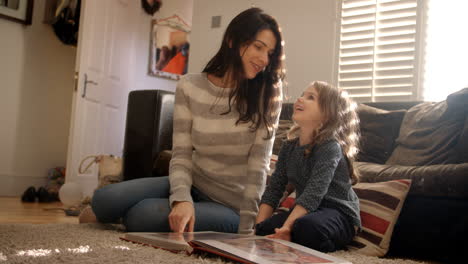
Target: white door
{"type": "Point", "coordinates": [107, 29]}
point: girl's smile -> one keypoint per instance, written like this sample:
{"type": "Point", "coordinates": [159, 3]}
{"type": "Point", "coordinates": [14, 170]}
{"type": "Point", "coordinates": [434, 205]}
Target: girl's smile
{"type": "Point", "coordinates": [307, 111]}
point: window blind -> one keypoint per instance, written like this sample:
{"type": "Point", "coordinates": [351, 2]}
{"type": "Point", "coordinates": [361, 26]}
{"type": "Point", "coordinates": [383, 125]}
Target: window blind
{"type": "Point", "coordinates": [378, 49]}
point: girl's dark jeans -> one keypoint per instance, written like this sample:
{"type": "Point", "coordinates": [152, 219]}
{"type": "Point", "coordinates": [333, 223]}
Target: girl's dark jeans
{"type": "Point", "coordinates": [325, 230]}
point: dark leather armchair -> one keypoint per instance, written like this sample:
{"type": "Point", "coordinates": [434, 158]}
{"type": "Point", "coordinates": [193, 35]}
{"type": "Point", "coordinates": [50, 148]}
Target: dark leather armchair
{"type": "Point", "coordinates": [148, 132]}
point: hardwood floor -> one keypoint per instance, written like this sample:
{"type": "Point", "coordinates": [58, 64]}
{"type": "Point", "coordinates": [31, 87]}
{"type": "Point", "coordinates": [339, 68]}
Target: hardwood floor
{"type": "Point", "coordinates": [12, 210]}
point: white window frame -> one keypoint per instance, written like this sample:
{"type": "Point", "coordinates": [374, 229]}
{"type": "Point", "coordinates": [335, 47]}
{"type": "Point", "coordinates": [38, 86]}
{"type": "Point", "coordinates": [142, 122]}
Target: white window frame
{"type": "Point", "coordinates": [416, 90]}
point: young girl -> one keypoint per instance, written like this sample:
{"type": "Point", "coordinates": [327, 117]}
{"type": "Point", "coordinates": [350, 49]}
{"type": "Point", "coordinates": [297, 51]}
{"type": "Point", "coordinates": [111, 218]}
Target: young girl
{"type": "Point", "coordinates": [222, 140]}
{"type": "Point", "coordinates": [318, 161]}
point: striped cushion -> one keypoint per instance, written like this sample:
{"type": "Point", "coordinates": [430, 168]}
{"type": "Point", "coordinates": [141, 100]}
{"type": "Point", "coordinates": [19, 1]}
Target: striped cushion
{"type": "Point", "coordinates": [380, 205]}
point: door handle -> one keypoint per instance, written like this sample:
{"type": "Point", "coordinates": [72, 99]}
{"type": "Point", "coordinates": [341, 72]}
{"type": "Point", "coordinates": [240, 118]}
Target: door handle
{"type": "Point", "coordinates": [86, 81]}
{"type": "Point", "coordinates": [75, 78]}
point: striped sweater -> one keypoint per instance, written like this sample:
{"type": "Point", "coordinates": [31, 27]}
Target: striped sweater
{"type": "Point", "coordinates": [225, 161]}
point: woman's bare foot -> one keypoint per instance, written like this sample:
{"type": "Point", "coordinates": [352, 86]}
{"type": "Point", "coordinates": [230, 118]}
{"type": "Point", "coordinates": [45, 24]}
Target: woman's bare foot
{"type": "Point", "coordinates": [87, 216]}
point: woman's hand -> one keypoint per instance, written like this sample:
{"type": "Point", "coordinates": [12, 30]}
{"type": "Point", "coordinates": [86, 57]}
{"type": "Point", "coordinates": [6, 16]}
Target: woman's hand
{"type": "Point", "coordinates": [283, 233]}
{"type": "Point", "coordinates": [182, 217]}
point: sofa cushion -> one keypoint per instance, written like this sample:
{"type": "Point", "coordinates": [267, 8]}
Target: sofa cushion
{"type": "Point", "coordinates": [462, 145]}
{"type": "Point", "coordinates": [458, 101]}
{"type": "Point", "coordinates": [430, 132]}
{"type": "Point", "coordinates": [380, 205]}
{"type": "Point", "coordinates": [379, 129]}
{"type": "Point", "coordinates": [445, 180]}
{"type": "Point", "coordinates": [432, 228]}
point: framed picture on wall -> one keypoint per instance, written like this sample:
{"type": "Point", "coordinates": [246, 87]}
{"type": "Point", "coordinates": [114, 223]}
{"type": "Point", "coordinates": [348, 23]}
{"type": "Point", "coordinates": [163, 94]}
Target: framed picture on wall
{"type": "Point", "coordinates": [169, 47]}
{"type": "Point", "coordinates": [17, 10]}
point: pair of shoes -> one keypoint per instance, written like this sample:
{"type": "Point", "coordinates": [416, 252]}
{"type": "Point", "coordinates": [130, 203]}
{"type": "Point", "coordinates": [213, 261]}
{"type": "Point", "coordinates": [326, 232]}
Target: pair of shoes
{"type": "Point", "coordinates": [42, 195]}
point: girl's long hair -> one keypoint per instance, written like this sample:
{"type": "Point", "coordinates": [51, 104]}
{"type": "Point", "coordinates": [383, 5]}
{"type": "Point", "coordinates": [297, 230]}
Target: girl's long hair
{"type": "Point", "coordinates": [342, 123]}
{"type": "Point", "coordinates": [257, 100]}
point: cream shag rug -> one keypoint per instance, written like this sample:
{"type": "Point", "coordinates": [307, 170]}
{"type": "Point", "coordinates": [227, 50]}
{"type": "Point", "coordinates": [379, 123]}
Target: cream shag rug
{"type": "Point", "coordinates": [97, 243]}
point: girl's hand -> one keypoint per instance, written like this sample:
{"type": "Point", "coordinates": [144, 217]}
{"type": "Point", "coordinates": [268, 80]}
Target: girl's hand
{"type": "Point", "coordinates": [182, 217]}
{"type": "Point", "coordinates": [283, 233]}
{"type": "Point", "coordinates": [264, 212]}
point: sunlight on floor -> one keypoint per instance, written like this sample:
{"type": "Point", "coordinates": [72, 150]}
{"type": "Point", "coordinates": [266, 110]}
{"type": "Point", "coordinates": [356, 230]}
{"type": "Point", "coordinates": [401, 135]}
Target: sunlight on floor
{"type": "Point", "coordinates": [46, 252]}
{"type": "Point", "coordinates": [122, 247]}
{"type": "Point", "coordinates": [81, 249]}
{"type": "Point", "coordinates": [34, 252]}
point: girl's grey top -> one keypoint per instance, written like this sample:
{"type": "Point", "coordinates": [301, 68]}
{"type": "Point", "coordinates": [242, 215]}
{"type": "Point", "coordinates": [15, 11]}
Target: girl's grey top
{"type": "Point", "coordinates": [321, 179]}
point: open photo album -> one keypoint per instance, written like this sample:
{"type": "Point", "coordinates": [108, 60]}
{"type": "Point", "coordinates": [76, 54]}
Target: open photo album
{"type": "Point", "coordinates": [241, 248]}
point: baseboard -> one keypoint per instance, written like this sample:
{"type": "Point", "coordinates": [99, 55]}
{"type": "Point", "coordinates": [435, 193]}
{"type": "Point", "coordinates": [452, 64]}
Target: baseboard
{"type": "Point", "coordinates": [14, 185]}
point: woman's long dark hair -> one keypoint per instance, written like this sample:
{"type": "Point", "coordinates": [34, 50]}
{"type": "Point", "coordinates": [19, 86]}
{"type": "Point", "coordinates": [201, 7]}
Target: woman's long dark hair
{"type": "Point", "coordinates": [255, 99]}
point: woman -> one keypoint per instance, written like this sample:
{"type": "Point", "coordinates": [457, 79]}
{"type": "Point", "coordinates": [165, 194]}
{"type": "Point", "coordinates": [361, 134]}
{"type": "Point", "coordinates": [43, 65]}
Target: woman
{"type": "Point", "coordinates": [224, 121]}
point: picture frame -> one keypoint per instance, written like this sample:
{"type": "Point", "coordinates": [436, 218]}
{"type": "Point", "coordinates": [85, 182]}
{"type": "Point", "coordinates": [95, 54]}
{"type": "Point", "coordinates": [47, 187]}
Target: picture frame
{"type": "Point", "coordinates": [169, 47]}
{"type": "Point", "coordinates": [19, 11]}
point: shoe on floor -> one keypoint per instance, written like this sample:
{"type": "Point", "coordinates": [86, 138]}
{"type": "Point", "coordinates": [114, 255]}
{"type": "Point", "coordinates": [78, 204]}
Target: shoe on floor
{"type": "Point", "coordinates": [87, 216]}
{"type": "Point", "coordinates": [43, 195]}
{"type": "Point", "coordinates": [29, 196]}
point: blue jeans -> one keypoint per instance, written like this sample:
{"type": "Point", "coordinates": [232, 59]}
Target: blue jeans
{"type": "Point", "coordinates": [143, 205]}
{"type": "Point", "coordinates": [325, 230]}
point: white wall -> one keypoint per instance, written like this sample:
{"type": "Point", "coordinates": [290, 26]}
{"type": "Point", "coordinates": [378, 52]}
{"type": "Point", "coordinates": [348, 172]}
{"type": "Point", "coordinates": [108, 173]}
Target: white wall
{"type": "Point", "coordinates": [143, 81]}
{"type": "Point", "coordinates": [308, 26]}
{"type": "Point", "coordinates": [182, 8]}
{"type": "Point", "coordinates": [36, 82]}
{"type": "Point", "coordinates": [309, 29]}
{"type": "Point", "coordinates": [36, 73]}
